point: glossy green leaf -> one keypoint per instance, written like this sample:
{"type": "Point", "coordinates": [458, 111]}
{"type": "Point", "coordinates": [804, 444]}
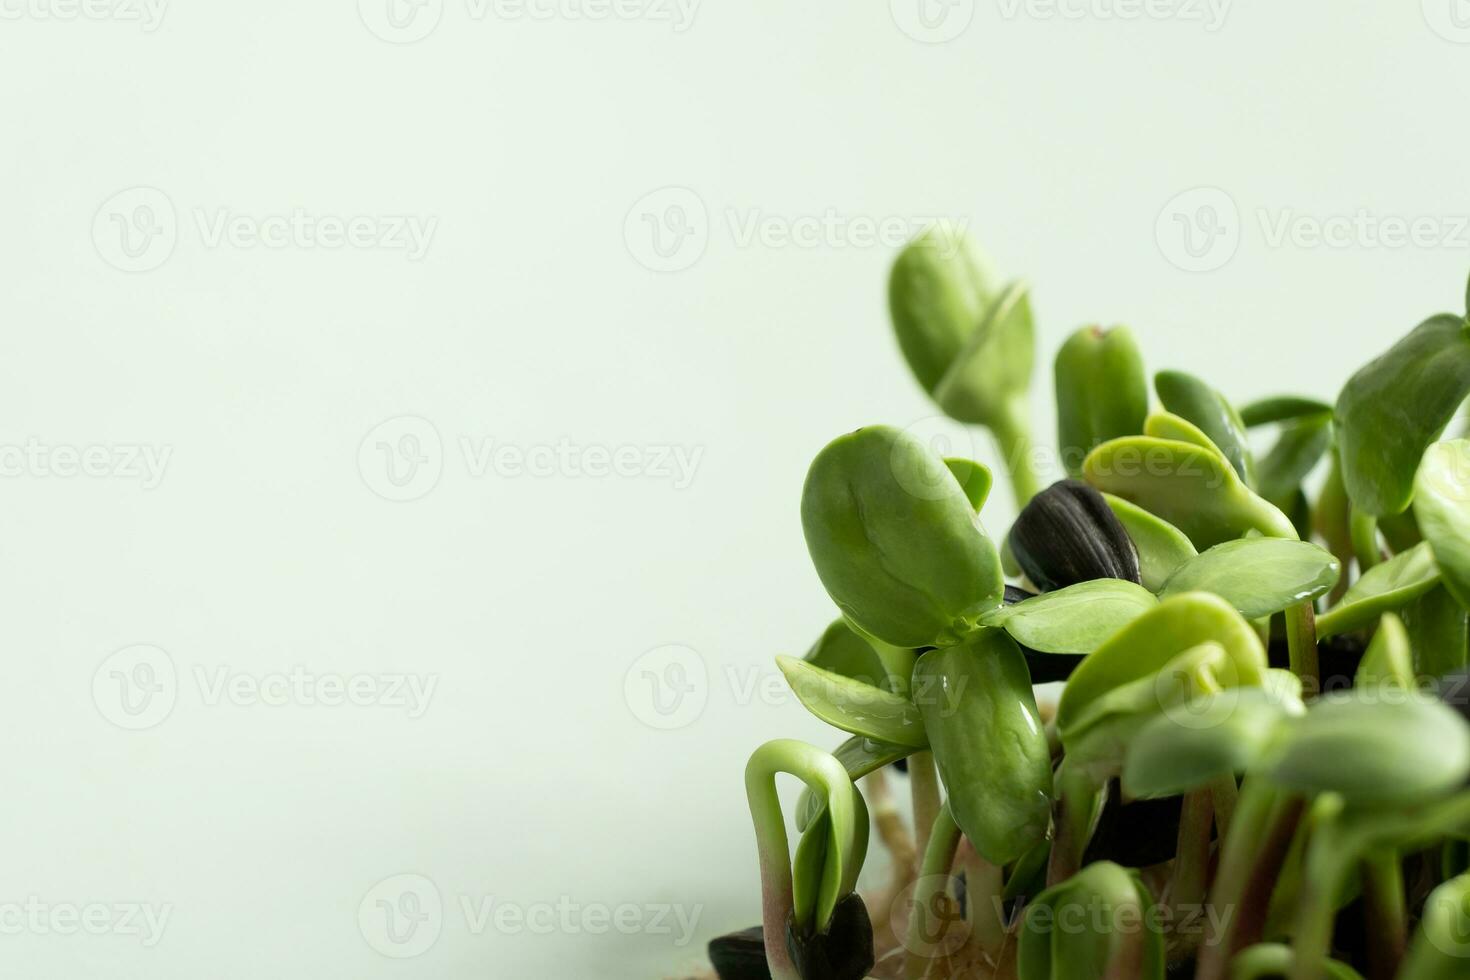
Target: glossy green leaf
{"type": "Point", "coordinates": [1388, 662]}
{"type": "Point", "coordinates": [1441, 946]}
{"type": "Point", "coordinates": [1383, 588]}
{"type": "Point", "coordinates": [1442, 507]}
{"type": "Point", "coordinates": [992, 370]}
{"type": "Point", "coordinates": [1192, 399]}
{"type": "Point", "coordinates": [843, 651]}
{"type": "Point", "coordinates": [895, 541]}
{"type": "Point", "coordinates": [1207, 737]}
{"type": "Point", "coordinates": [1439, 633]}
{"type": "Point", "coordinates": [1077, 619]}
{"type": "Point", "coordinates": [1258, 576]}
{"type": "Point", "coordinates": [1373, 750]}
{"type": "Point", "coordinates": [1102, 392]}
{"type": "Point", "coordinates": [1283, 408]}
{"type": "Point", "coordinates": [1187, 485]}
{"type": "Point", "coordinates": [986, 735]}
{"type": "Point", "coordinates": [1147, 644]}
{"type": "Point", "coordinates": [1298, 450]}
{"type": "Point", "coordinates": [1096, 924]}
{"type": "Point", "coordinates": [938, 293]}
{"type": "Point", "coordinates": [974, 478]}
{"type": "Point", "coordinates": [1161, 546]}
{"type": "Point", "coordinates": [853, 706]}
{"type": "Point", "coordinates": [1393, 408]}
{"type": "Point", "coordinates": [858, 756]}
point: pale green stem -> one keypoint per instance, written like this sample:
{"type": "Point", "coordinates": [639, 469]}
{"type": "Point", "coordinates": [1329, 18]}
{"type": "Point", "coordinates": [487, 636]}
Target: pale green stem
{"type": "Point", "coordinates": [924, 787]}
{"type": "Point", "coordinates": [1329, 858]}
{"type": "Point", "coordinates": [1192, 855]}
{"type": "Point", "coordinates": [932, 887]}
{"type": "Point", "coordinates": [1012, 431]}
{"type": "Point", "coordinates": [1301, 644]}
{"type": "Point", "coordinates": [1252, 850]}
{"type": "Point", "coordinates": [1364, 530]}
{"type": "Point", "coordinates": [1225, 795]}
{"type": "Point", "coordinates": [984, 888]}
{"type": "Point", "coordinates": [824, 774]}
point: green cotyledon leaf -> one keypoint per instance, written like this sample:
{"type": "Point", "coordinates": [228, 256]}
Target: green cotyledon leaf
{"type": "Point", "coordinates": [988, 742]}
{"type": "Point", "coordinates": [938, 292]}
{"type": "Point", "coordinates": [1096, 924]}
{"type": "Point", "coordinates": [1189, 486]}
{"type": "Point", "coordinates": [1258, 576]}
{"type": "Point", "coordinates": [854, 706]}
{"type": "Point", "coordinates": [1161, 546]}
{"type": "Point", "coordinates": [1192, 399]}
{"type": "Point", "coordinates": [1386, 586]}
{"type": "Point", "coordinates": [992, 370]}
{"type": "Point", "coordinates": [1395, 406]}
{"type": "Point", "coordinates": [1102, 392]}
{"type": "Point", "coordinates": [1374, 751]}
{"type": "Point", "coordinates": [895, 541]}
{"type": "Point", "coordinates": [974, 478]}
{"type": "Point", "coordinates": [1148, 643]}
{"type": "Point", "coordinates": [1442, 507]}
{"type": "Point", "coordinates": [1077, 619]}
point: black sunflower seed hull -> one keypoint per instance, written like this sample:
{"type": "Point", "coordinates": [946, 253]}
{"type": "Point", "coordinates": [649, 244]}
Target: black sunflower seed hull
{"type": "Point", "coordinates": [1068, 534]}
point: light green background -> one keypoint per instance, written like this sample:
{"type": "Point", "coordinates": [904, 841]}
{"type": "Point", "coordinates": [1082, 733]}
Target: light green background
{"type": "Point", "coordinates": [532, 775]}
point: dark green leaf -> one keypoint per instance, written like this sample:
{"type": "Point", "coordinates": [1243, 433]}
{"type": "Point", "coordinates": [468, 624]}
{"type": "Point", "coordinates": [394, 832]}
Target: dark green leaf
{"type": "Point", "coordinates": [1283, 408]}
{"type": "Point", "coordinates": [1296, 453]}
{"type": "Point", "coordinates": [1190, 398]}
{"type": "Point", "coordinates": [1392, 409]}
{"type": "Point", "coordinates": [938, 292]}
